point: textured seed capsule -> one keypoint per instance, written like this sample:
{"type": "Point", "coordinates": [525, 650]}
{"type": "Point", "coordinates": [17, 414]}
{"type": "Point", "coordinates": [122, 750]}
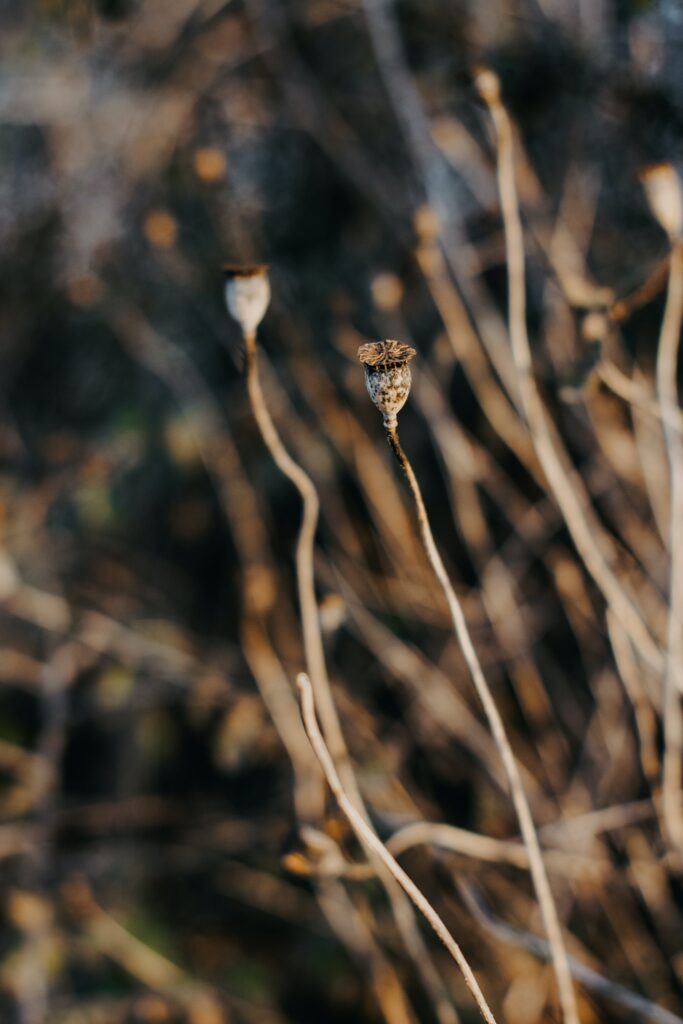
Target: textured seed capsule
{"type": "Point", "coordinates": [247, 294]}
{"type": "Point", "coordinates": [387, 376]}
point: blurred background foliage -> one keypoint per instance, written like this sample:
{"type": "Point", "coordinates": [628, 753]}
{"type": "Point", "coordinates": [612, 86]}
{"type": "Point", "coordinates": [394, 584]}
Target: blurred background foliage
{"type": "Point", "coordinates": [146, 796]}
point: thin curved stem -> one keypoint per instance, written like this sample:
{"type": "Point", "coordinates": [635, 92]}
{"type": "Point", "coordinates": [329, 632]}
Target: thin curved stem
{"type": "Point", "coordinates": [315, 661]}
{"type": "Point", "coordinates": [585, 530]}
{"type": "Point", "coordinates": [313, 644]}
{"type": "Point", "coordinates": [625, 388]}
{"type": "Point", "coordinates": [667, 394]}
{"type": "Point", "coordinates": [538, 872]}
{"type": "Point", "coordinates": [370, 839]}
{"type": "Point", "coordinates": [608, 989]}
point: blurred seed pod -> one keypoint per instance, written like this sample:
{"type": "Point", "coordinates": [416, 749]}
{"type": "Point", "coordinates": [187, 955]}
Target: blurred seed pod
{"type": "Point", "coordinates": [387, 291]}
{"type": "Point", "coordinates": [595, 326]}
{"type": "Point", "coordinates": [247, 294]}
{"type": "Point", "coordinates": [332, 612]}
{"type": "Point", "coordinates": [387, 376]}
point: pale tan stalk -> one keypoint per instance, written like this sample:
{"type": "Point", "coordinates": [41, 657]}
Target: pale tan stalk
{"type": "Point", "coordinates": [315, 660]}
{"type": "Point", "coordinates": [370, 840]}
{"type": "Point", "coordinates": [569, 492]}
{"type": "Point", "coordinates": [634, 394]}
{"type": "Point", "coordinates": [411, 116]}
{"type": "Point", "coordinates": [241, 511]}
{"type": "Point", "coordinates": [538, 873]}
{"type": "Point", "coordinates": [313, 644]}
{"type": "Point", "coordinates": [495, 851]}
{"type": "Point", "coordinates": [667, 394]}
{"type": "Point", "coordinates": [496, 405]}
{"type": "Point", "coordinates": [570, 831]}
{"type": "Point", "coordinates": [467, 844]}
{"type": "Point", "coordinates": [632, 1002]}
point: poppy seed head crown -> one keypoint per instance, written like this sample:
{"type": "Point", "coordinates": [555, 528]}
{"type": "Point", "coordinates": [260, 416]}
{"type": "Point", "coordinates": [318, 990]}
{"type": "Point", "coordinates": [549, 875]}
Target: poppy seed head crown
{"type": "Point", "coordinates": [385, 353]}
{"type": "Point", "coordinates": [231, 271]}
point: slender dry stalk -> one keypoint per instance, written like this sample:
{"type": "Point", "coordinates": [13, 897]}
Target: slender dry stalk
{"type": "Point", "coordinates": [593, 981]}
{"type": "Point", "coordinates": [462, 336]}
{"type": "Point", "coordinates": [315, 660]}
{"type": "Point", "coordinates": [443, 210]}
{"type": "Point", "coordinates": [431, 688]}
{"type": "Point", "coordinates": [356, 931]}
{"type": "Point", "coordinates": [370, 840]}
{"type": "Point", "coordinates": [571, 830]}
{"type": "Point", "coordinates": [461, 841]}
{"type": "Point", "coordinates": [240, 507]}
{"type": "Point", "coordinates": [569, 494]}
{"type": "Point", "coordinates": [313, 644]}
{"type": "Point", "coordinates": [667, 393]}
{"type": "Point", "coordinates": [495, 851]}
{"type": "Point", "coordinates": [497, 586]}
{"type": "Point", "coordinates": [526, 824]}
{"type": "Point", "coordinates": [634, 394]}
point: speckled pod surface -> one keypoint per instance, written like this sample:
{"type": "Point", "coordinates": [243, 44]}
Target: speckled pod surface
{"type": "Point", "coordinates": [387, 376]}
{"type": "Point", "coordinates": [388, 387]}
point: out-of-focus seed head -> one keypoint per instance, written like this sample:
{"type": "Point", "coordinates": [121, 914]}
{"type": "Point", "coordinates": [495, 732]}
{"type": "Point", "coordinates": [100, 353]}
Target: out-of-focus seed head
{"type": "Point", "coordinates": [387, 291]}
{"type": "Point", "coordinates": [387, 376]}
{"type": "Point", "coordinates": [487, 84]}
{"type": "Point", "coordinates": [663, 192]}
{"type": "Point", "coordinates": [247, 294]}
{"type": "Point", "coordinates": [332, 610]}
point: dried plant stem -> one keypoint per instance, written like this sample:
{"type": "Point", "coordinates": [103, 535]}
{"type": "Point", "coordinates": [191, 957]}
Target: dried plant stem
{"type": "Point", "coordinates": [536, 866]}
{"type": "Point", "coordinates": [371, 841]}
{"type": "Point", "coordinates": [410, 113]}
{"type": "Point", "coordinates": [593, 981]}
{"type": "Point", "coordinates": [313, 644]}
{"type": "Point", "coordinates": [499, 410]}
{"type": "Point", "coordinates": [240, 508]}
{"type": "Point", "coordinates": [569, 493]}
{"type": "Point", "coordinates": [495, 851]}
{"type": "Point", "coordinates": [635, 394]}
{"type": "Point", "coordinates": [667, 394]}
{"type": "Point", "coordinates": [315, 661]}
{"type": "Point", "coordinates": [644, 713]}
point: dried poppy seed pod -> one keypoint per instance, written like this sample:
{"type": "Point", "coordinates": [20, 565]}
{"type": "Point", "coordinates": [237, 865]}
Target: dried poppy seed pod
{"type": "Point", "coordinates": [663, 193]}
{"type": "Point", "coordinates": [387, 376]}
{"type": "Point", "coordinates": [247, 294]}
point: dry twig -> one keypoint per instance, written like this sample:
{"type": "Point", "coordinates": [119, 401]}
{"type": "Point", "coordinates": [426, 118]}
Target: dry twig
{"type": "Point", "coordinates": [569, 492]}
{"type": "Point", "coordinates": [370, 840]}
